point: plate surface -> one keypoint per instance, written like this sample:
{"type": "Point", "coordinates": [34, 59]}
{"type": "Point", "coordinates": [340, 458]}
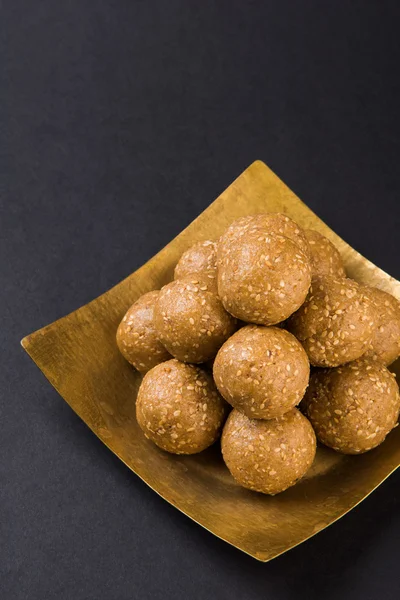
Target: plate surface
{"type": "Point", "coordinates": [79, 356]}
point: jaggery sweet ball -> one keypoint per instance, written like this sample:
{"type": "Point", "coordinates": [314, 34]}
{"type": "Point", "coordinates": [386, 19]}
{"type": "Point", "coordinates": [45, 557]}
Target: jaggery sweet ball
{"type": "Point", "coordinates": [277, 223]}
{"type": "Point", "coordinates": [352, 408]}
{"type": "Point", "coordinates": [190, 319]}
{"type": "Point", "coordinates": [179, 409]}
{"type": "Point", "coordinates": [263, 277]}
{"type": "Point", "coordinates": [335, 323]}
{"type": "Point", "coordinates": [385, 343]}
{"type": "Point", "coordinates": [137, 338]}
{"type": "Point", "coordinates": [262, 371]}
{"type": "Point", "coordinates": [200, 259]}
{"type": "Point", "coordinates": [325, 257]}
{"type": "Point", "coordinates": [268, 456]}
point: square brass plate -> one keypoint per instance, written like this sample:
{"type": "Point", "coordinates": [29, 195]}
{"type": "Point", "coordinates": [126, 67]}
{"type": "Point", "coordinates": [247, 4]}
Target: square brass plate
{"type": "Point", "coordinates": [79, 357]}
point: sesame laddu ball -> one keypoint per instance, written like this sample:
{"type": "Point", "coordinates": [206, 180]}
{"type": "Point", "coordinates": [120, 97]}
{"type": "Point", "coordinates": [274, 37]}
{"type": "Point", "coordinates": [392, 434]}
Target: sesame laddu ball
{"type": "Point", "coordinates": [191, 321]}
{"type": "Point", "coordinates": [137, 338]}
{"type": "Point", "coordinates": [385, 343]}
{"type": "Point", "coordinates": [352, 408]}
{"type": "Point", "coordinates": [325, 257]}
{"type": "Point", "coordinates": [262, 371]}
{"type": "Point", "coordinates": [335, 323]}
{"type": "Point", "coordinates": [277, 223]}
{"type": "Point", "coordinates": [262, 277]}
{"type": "Point", "coordinates": [200, 259]}
{"type": "Point", "coordinates": [268, 456]}
{"type": "Point", "coordinates": [179, 409]}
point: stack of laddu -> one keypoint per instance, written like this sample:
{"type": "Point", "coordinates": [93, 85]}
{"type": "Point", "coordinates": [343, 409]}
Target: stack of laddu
{"type": "Point", "coordinates": [258, 307]}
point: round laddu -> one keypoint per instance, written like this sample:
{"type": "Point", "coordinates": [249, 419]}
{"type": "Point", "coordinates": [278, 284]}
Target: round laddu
{"type": "Point", "coordinates": [352, 408]}
{"type": "Point", "coordinates": [200, 259]}
{"type": "Point", "coordinates": [179, 409]}
{"type": "Point", "coordinates": [262, 277]}
{"type": "Point", "coordinates": [137, 338]}
{"type": "Point", "coordinates": [262, 371]}
{"type": "Point", "coordinates": [385, 343]}
{"type": "Point", "coordinates": [191, 321]}
{"type": "Point", "coordinates": [277, 223]}
{"type": "Point", "coordinates": [335, 323]}
{"type": "Point", "coordinates": [325, 257]}
{"type": "Point", "coordinates": [268, 456]}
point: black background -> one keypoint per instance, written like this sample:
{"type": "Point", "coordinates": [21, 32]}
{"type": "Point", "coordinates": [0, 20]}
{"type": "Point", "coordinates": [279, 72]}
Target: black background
{"type": "Point", "coordinates": [123, 120]}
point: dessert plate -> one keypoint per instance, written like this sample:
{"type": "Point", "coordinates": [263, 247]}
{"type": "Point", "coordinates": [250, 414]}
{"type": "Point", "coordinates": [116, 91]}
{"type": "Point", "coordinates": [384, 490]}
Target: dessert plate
{"type": "Point", "coordinates": [79, 357]}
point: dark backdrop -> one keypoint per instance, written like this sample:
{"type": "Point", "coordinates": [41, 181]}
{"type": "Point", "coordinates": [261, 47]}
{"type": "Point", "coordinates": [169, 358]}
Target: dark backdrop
{"type": "Point", "coordinates": [123, 120]}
